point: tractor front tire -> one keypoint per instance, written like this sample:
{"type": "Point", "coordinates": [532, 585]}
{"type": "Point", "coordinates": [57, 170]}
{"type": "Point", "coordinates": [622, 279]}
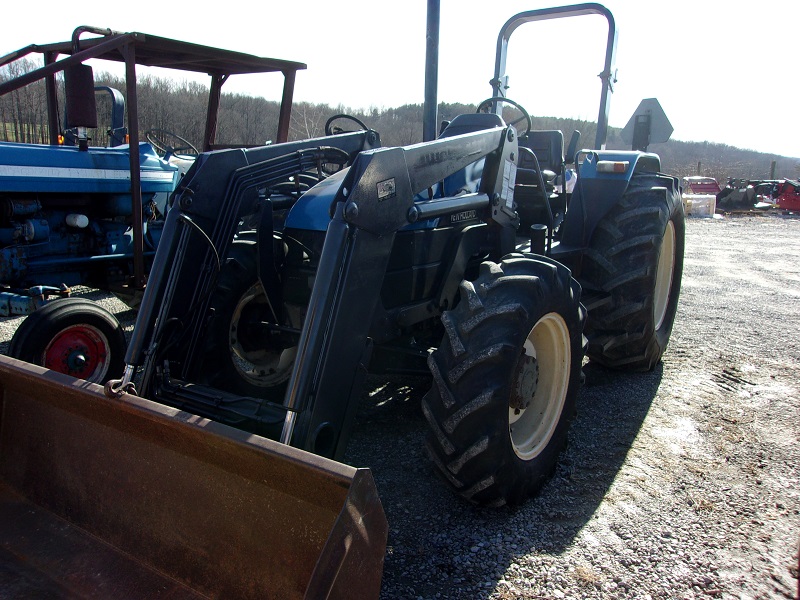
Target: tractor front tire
{"type": "Point", "coordinates": [241, 355]}
{"type": "Point", "coordinates": [506, 377]}
{"type": "Point", "coordinates": [74, 336]}
{"type": "Point", "coordinates": [636, 258]}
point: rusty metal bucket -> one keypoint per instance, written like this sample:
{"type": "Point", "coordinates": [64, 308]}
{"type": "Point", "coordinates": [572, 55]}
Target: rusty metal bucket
{"type": "Point", "coordinates": [130, 499]}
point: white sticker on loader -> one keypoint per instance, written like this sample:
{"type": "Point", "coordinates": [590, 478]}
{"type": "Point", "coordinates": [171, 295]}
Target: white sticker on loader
{"type": "Point", "coordinates": [509, 177]}
{"type": "Point", "coordinates": [386, 190]}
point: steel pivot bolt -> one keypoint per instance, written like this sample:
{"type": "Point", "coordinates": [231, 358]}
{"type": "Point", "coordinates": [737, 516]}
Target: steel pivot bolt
{"type": "Point", "coordinates": [351, 211]}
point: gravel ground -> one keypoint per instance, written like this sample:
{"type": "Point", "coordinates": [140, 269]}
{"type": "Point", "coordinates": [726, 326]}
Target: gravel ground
{"type": "Point", "coordinates": [679, 483]}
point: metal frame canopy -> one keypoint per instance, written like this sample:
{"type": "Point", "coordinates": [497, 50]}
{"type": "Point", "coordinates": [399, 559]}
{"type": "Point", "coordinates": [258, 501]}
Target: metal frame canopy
{"type": "Point", "coordinates": [608, 75]}
{"type": "Point", "coordinates": [134, 48]}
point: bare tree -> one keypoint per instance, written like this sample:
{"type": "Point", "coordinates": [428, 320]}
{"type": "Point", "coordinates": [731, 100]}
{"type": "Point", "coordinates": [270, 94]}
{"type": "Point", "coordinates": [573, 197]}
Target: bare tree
{"type": "Point", "coordinates": [23, 115]}
{"type": "Point", "coordinates": [308, 120]}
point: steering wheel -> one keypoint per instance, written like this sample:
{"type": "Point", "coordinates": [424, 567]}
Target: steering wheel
{"type": "Point", "coordinates": [163, 141]}
{"type": "Point", "coordinates": [330, 130]}
{"type": "Point", "coordinates": [483, 106]}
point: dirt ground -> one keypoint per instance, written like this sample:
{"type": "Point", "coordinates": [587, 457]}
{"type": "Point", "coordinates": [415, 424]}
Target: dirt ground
{"type": "Point", "coordinates": [679, 483]}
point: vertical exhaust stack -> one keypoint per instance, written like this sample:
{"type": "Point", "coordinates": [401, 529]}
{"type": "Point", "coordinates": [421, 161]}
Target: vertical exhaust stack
{"type": "Point", "coordinates": [429, 112]}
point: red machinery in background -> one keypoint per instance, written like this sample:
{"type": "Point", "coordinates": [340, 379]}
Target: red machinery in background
{"type": "Point", "coordinates": [787, 195]}
{"type": "Point", "coordinates": [760, 193]}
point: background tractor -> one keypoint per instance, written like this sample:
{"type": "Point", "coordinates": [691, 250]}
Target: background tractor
{"type": "Point", "coordinates": [74, 213]}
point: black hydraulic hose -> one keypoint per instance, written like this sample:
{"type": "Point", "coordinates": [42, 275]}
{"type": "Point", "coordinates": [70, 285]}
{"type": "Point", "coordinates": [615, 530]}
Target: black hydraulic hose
{"type": "Point", "coordinates": [182, 218]}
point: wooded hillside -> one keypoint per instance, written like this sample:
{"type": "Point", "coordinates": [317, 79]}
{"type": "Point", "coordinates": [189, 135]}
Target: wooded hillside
{"type": "Point", "coordinates": [179, 106]}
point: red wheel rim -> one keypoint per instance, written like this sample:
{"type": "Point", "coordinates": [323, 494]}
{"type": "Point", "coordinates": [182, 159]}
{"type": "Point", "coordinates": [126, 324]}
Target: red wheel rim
{"type": "Point", "coordinates": [80, 351]}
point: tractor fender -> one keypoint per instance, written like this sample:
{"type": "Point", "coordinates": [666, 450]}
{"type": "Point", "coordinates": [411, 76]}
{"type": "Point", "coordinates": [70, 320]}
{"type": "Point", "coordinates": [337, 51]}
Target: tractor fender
{"type": "Point", "coordinates": [603, 177]}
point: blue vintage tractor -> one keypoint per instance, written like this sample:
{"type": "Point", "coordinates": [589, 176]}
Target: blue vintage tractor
{"type": "Point", "coordinates": [74, 213]}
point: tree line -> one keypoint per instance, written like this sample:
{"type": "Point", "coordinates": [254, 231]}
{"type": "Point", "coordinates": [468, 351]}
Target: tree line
{"type": "Point", "coordinates": [180, 107]}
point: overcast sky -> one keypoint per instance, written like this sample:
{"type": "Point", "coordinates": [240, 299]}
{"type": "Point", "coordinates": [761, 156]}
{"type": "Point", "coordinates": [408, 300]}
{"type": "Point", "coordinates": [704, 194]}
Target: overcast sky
{"type": "Point", "coordinates": [723, 71]}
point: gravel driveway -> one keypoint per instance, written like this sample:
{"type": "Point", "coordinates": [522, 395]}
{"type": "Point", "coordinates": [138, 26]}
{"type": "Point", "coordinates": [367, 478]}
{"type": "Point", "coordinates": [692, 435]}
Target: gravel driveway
{"type": "Point", "coordinates": [679, 483]}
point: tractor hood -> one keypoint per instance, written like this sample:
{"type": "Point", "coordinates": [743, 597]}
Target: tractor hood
{"type": "Point", "coordinates": [44, 168]}
{"type": "Point", "coordinates": [313, 210]}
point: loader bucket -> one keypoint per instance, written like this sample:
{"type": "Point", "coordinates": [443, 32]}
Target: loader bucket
{"type": "Point", "coordinates": [127, 498]}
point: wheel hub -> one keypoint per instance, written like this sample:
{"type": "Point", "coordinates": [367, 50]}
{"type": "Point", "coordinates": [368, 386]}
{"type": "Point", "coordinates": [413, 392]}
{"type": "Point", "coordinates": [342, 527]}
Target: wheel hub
{"type": "Point", "coordinates": [77, 359]}
{"type": "Point", "coordinates": [525, 382]}
{"type": "Point", "coordinates": [80, 351]}
{"type": "Point", "coordinates": [260, 355]}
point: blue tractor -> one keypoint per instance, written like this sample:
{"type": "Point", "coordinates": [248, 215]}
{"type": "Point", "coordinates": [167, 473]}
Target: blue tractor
{"type": "Point", "coordinates": [74, 213]}
{"type": "Point", "coordinates": [265, 309]}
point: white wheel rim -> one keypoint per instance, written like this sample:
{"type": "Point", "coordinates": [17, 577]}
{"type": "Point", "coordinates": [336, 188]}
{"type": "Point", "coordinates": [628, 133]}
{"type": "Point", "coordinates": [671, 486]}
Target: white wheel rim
{"type": "Point", "coordinates": [664, 273]}
{"type": "Point", "coordinates": [258, 367]}
{"type": "Point", "coordinates": [531, 428]}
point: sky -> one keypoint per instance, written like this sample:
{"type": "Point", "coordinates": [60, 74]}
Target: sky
{"type": "Point", "coordinates": [723, 71]}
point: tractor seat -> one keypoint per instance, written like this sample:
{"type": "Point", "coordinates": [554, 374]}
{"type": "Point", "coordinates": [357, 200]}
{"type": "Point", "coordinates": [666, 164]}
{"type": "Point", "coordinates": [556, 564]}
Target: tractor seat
{"type": "Point", "coordinates": [548, 146]}
{"type": "Point", "coordinates": [467, 123]}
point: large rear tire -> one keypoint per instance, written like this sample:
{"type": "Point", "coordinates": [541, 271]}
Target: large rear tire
{"type": "Point", "coordinates": [506, 377]}
{"type": "Point", "coordinates": [241, 353]}
{"type": "Point", "coordinates": [636, 258]}
{"type": "Point", "coordinates": [74, 336]}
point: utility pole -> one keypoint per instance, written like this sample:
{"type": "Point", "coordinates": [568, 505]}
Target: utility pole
{"type": "Point", "coordinates": [430, 116]}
